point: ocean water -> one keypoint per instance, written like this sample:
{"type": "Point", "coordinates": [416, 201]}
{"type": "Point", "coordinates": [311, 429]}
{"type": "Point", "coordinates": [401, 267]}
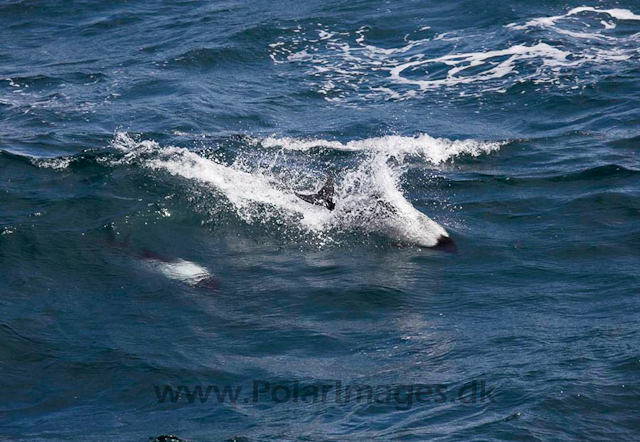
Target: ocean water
{"type": "Point", "coordinates": [151, 241]}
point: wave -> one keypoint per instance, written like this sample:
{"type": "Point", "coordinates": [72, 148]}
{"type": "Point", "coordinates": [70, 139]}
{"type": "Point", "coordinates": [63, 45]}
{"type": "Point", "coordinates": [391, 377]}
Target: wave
{"type": "Point", "coordinates": [608, 203]}
{"type": "Point", "coordinates": [433, 150]}
{"type": "Point", "coordinates": [43, 82]}
{"type": "Point", "coordinates": [607, 171]}
{"type": "Point", "coordinates": [258, 184]}
{"type": "Point", "coordinates": [618, 14]}
{"type": "Point", "coordinates": [209, 57]}
{"type": "Point", "coordinates": [612, 173]}
{"type": "Point", "coordinates": [628, 142]}
{"type": "Point", "coordinates": [110, 23]}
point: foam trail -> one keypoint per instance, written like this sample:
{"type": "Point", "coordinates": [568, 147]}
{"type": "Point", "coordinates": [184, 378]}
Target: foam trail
{"type": "Point", "coordinates": [343, 67]}
{"type": "Point", "coordinates": [619, 14]}
{"type": "Point", "coordinates": [462, 62]}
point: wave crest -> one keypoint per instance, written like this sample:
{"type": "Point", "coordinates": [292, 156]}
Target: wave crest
{"type": "Point", "coordinates": [433, 150]}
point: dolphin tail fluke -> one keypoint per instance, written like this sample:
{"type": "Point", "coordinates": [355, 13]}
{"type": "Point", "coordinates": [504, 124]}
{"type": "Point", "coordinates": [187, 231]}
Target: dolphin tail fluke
{"type": "Point", "coordinates": [324, 197]}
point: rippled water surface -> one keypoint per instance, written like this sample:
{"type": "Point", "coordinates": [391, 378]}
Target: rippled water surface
{"type": "Point", "coordinates": [151, 236]}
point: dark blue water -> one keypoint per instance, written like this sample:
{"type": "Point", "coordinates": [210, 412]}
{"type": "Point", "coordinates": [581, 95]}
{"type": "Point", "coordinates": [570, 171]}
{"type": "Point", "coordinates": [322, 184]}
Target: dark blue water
{"type": "Point", "coordinates": [150, 236]}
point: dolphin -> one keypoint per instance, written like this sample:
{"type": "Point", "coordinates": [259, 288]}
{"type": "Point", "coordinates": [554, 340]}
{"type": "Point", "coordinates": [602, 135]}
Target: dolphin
{"type": "Point", "coordinates": [179, 269]}
{"type": "Point", "coordinates": [324, 197]}
{"type": "Point", "coordinates": [403, 223]}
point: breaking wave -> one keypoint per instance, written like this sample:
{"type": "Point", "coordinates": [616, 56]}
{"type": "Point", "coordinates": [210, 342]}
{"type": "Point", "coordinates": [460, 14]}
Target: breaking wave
{"type": "Point", "coordinates": [259, 184]}
{"type": "Point", "coordinates": [432, 150]}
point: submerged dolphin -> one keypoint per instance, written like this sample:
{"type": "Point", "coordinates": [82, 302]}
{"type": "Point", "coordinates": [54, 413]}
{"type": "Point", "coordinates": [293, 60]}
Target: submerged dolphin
{"type": "Point", "coordinates": [411, 226]}
{"type": "Point", "coordinates": [179, 269]}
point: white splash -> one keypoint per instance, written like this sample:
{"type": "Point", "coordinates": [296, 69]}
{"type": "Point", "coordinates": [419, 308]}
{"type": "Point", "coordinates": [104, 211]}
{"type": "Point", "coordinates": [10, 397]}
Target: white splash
{"type": "Point", "coordinates": [368, 196]}
{"type": "Point", "coordinates": [255, 196]}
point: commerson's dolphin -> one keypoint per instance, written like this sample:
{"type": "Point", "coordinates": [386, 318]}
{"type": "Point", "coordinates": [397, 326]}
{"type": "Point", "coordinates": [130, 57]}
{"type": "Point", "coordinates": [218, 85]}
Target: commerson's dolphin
{"type": "Point", "coordinates": [178, 269]}
{"type": "Point", "coordinates": [406, 224]}
{"type": "Point", "coordinates": [324, 197]}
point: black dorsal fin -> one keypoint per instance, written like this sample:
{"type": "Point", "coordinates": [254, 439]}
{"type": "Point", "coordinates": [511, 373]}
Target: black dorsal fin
{"type": "Point", "coordinates": [324, 197]}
